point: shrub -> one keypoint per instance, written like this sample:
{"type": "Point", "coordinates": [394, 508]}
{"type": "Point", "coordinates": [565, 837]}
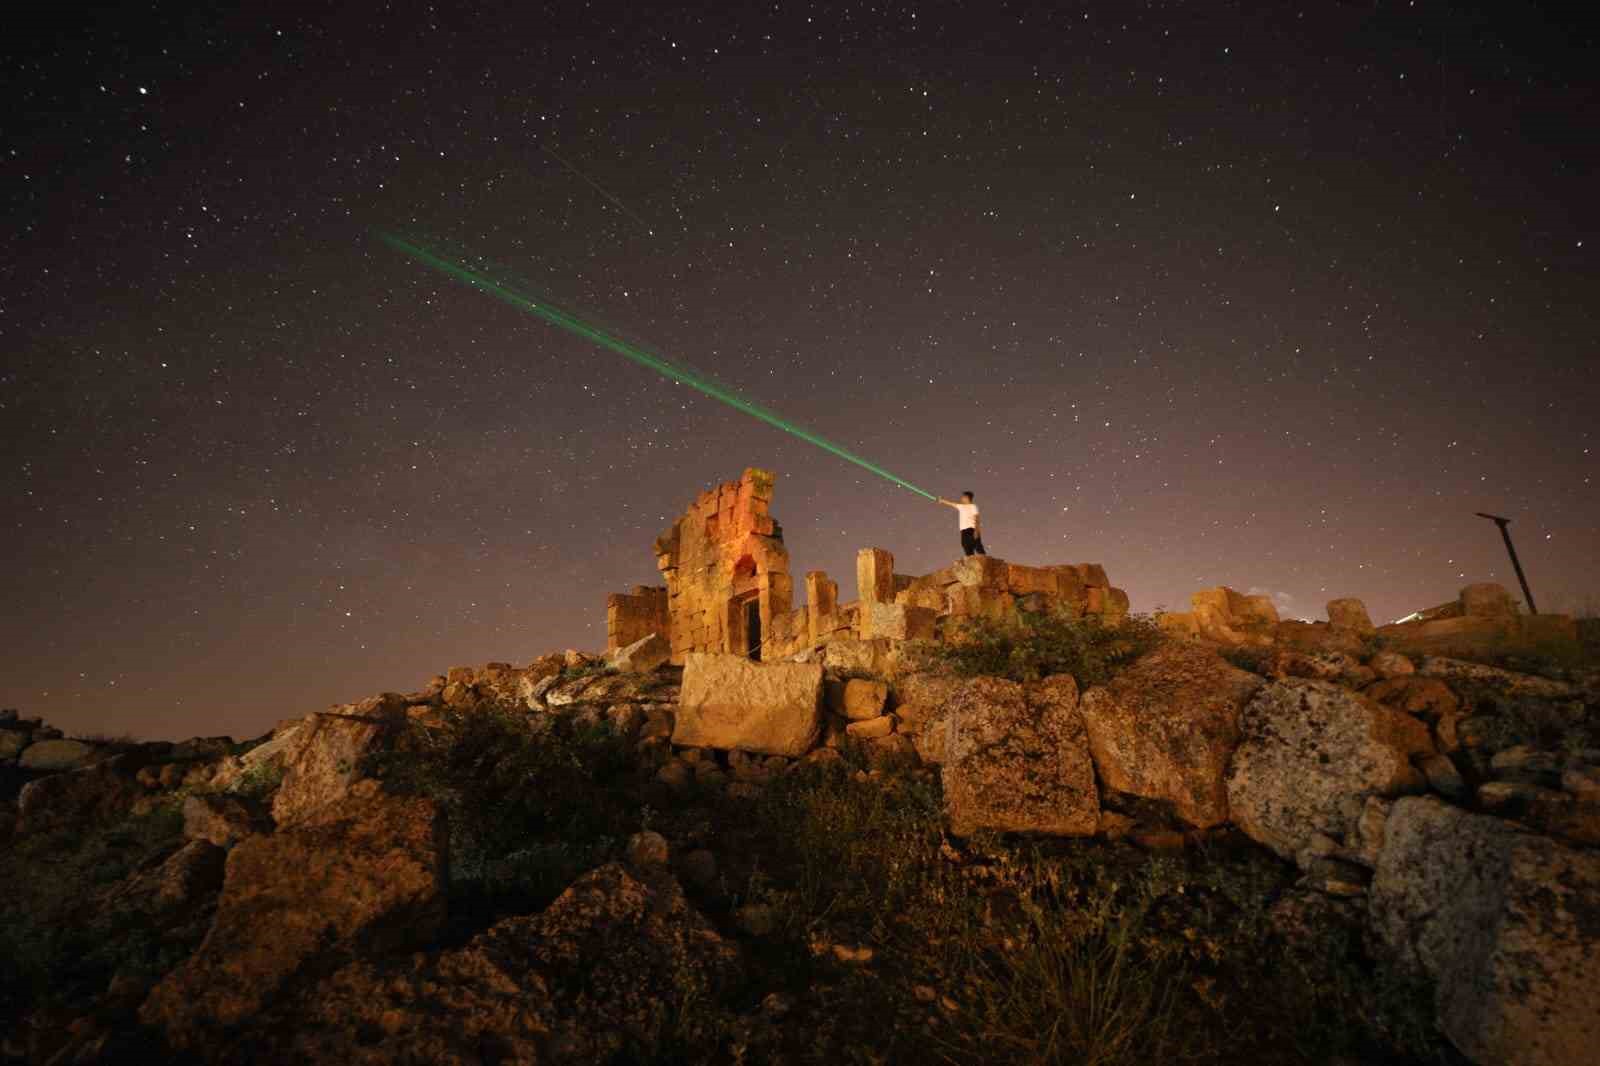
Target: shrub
{"type": "Point", "coordinates": [1036, 951]}
{"type": "Point", "coordinates": [530, 806]}
{"type": "Point", "coordinates": [64, 930]}
{"type": "Point", "coordinates": [1043, 643]}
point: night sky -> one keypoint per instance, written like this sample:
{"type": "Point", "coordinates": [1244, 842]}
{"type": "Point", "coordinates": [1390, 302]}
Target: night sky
{"type": "Point", "coordinates": [1209, 293]}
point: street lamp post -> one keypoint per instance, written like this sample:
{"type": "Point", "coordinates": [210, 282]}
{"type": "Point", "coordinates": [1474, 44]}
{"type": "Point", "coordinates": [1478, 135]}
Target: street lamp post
{"type": "Point", "coordinates": [1512, 551]}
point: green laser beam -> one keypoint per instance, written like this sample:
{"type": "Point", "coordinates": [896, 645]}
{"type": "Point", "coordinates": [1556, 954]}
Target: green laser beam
{"type": "Point", "coordinates": [573, 324]}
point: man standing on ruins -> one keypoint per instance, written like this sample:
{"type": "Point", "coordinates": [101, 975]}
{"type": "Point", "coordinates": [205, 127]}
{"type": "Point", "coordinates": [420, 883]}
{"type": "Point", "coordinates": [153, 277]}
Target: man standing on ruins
{"type": "Point", "coordinates": [971, 525]}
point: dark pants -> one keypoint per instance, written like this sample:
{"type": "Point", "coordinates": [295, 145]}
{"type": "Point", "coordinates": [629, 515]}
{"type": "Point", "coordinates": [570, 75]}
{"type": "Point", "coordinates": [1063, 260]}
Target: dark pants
{"type": "Point", "coordinates": [971, 543]}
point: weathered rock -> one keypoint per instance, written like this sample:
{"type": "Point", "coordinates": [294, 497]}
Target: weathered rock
{"type": "Point", "coordinates": [1524, 763]}
{"type": "Point", "coordinates": [369, 873]}
{"type": "Point", "coordinates": [1318, 638]}
{"type": "Point", "coordinates": [504, 685]}
{"type": "Point", "coordinates": [1443, 777]}
{"type": "Point", "coordinates": [56, 755]}
{"type": "Point", "coordinates": [1167, 726]}
{"type": "Point", "coordinates": [1017, 759]}
{"type": "Point", "coordinates": [271, 754]}
{"type": "Point", "coordinates": [1322, 666]}
{"type": "Point", "coordinates": [328, 754]}
{"type": "Point", "coordinates": [193, 872]}
{"type": "Point", "coordinates": [864, 699]}
{"type": "Point", "coordinates": [11, 743]}
{"type": "Point", "coordinates": [537, 690]}
{"type": "Point", "coordinates": [177, 888]}
{"type": "Point", "coordinates": [1514, 799]}
{"type": "Point", "coordinates": [1488, 600]}
{"type": "Point", "coordinates": [642, 656]}
{"type": "Point", "coordinates": [221, 819]}
{"type": "Point", "coordinates": [920, 700]}
{"type": "Point", "coordinates": [730, 702]}
{"type": "Point", "coordinates": [105, 790]}
{"type": "Point", "coordinates": [1310, 747]}
{"type": "Point", "coordinates": [1358, 677]}
{"type": "Point", "coordinates": [876, 657]}
{"type": "Point", "coordinates": [897, 621]}
{"type": "Point", "coordinates": [871, 728]}
{"type": "Point", "coordinates": [1503, 921]}
{"type": "Point", "coordinates": [986, 571]}
{"type": "Point", "coordinates": [1365, 840]}
{"type": "Point", "coordinates": [1583, 782]}
{"type": "Point", "coordinates": [596, 977]}
{"type": "Point", "coordinates": [1350, 614]}
{"type": "Point", "coordinates": [1221, 614]}
{"type": "Point", "coordinates": [1477, 679]}
{"type": "Point", "coordinates": [648, 848]}
{"type": "Point", "coordinates": [1389, 664]}
{"type": "Point", "coordinates": [1426, 698]}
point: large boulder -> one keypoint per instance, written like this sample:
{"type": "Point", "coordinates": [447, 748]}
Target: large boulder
{"type": "Point", "coordinates": [57, 755]}
{"type": "Point", "coordinates": [642, 656]}
{"type": "Point", "coordinates": [12, 741]}
{"type": "Point", "coordinates": [1223, 615]}
{"type": "Point", "coordinates": [1318, 638]}
{"type": "Point", "coordinates": [1503, 921]}
{"type": "Point", "coordinates": [1166, 727]}
{"type": "Point", "coordinates": [728, 701]}
{"type": "Point", "coordinates": [1016, 759]}
{"type": "Point", "coordinates": [922, 700]}
{"type": "Point", "coordinates": [596, 977]}
{"type": "Point", "coordinates": [878, 657]}
{"type": "Point", "coordinates": [1476, 681]}
{"type": "Point", "coordinates": [1426, 698]}
{"type": "Point", "coordinates": [192, 873]}
{"type": "Point", "coordinates": [1350, 614]}
{"type": "Point", "coordinates": [1488, 600]}
{"type": "Point", "coordinates": [1311, 752]}
{"type": "Point", "coordinates": [366, 875]}
{"type": "Point", "coordinates": [103, 791]}
{"type": "Point", "coordinates": [175, 891]}
{"type": "Point", "coordinates": [328, 754]}
{"type": "Point", "coordinates": [863, 698]}
{"type": "Point", "coordinates": [221, 819]}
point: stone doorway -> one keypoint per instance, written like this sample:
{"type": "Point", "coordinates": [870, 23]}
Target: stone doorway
{"type": "Point", "coordinates": [752, 629]}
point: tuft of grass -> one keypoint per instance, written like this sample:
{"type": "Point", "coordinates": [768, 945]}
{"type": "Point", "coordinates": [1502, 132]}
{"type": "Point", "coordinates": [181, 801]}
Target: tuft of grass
{"type": "Point", "coordinates": [1043, 643]}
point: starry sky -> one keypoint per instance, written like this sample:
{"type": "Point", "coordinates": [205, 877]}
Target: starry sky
{"type": "Point", "coordinates": [1241, 293]}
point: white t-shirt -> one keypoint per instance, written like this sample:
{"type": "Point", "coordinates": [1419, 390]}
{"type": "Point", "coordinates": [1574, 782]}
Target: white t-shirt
{"type": "Point", "coordinates": [967, 515]}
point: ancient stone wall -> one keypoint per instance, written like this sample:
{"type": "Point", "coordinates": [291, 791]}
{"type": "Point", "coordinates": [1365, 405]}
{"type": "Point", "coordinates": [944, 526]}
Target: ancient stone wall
{"type": "Point", "coordinates": [727, 571]}
{"type": "Point", "coordinates": [634, 616]}
{"type": "Point", "coordinates": [727, 575]}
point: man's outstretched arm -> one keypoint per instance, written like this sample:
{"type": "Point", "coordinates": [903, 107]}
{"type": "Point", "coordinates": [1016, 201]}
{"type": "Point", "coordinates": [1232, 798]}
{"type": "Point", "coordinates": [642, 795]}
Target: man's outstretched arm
{"type": "Point", "coordinates": [947, 503]}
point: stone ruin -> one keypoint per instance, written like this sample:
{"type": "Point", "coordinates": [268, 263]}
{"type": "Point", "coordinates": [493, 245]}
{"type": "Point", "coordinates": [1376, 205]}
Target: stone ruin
{"type": "Point", "coordinates": [1482, 618]}
{"type": "Point", "coordinates": [728, 588]}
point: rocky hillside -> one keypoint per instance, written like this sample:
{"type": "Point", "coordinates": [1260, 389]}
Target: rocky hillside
{"type": "Point", "coordinates": [1071, 841]}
